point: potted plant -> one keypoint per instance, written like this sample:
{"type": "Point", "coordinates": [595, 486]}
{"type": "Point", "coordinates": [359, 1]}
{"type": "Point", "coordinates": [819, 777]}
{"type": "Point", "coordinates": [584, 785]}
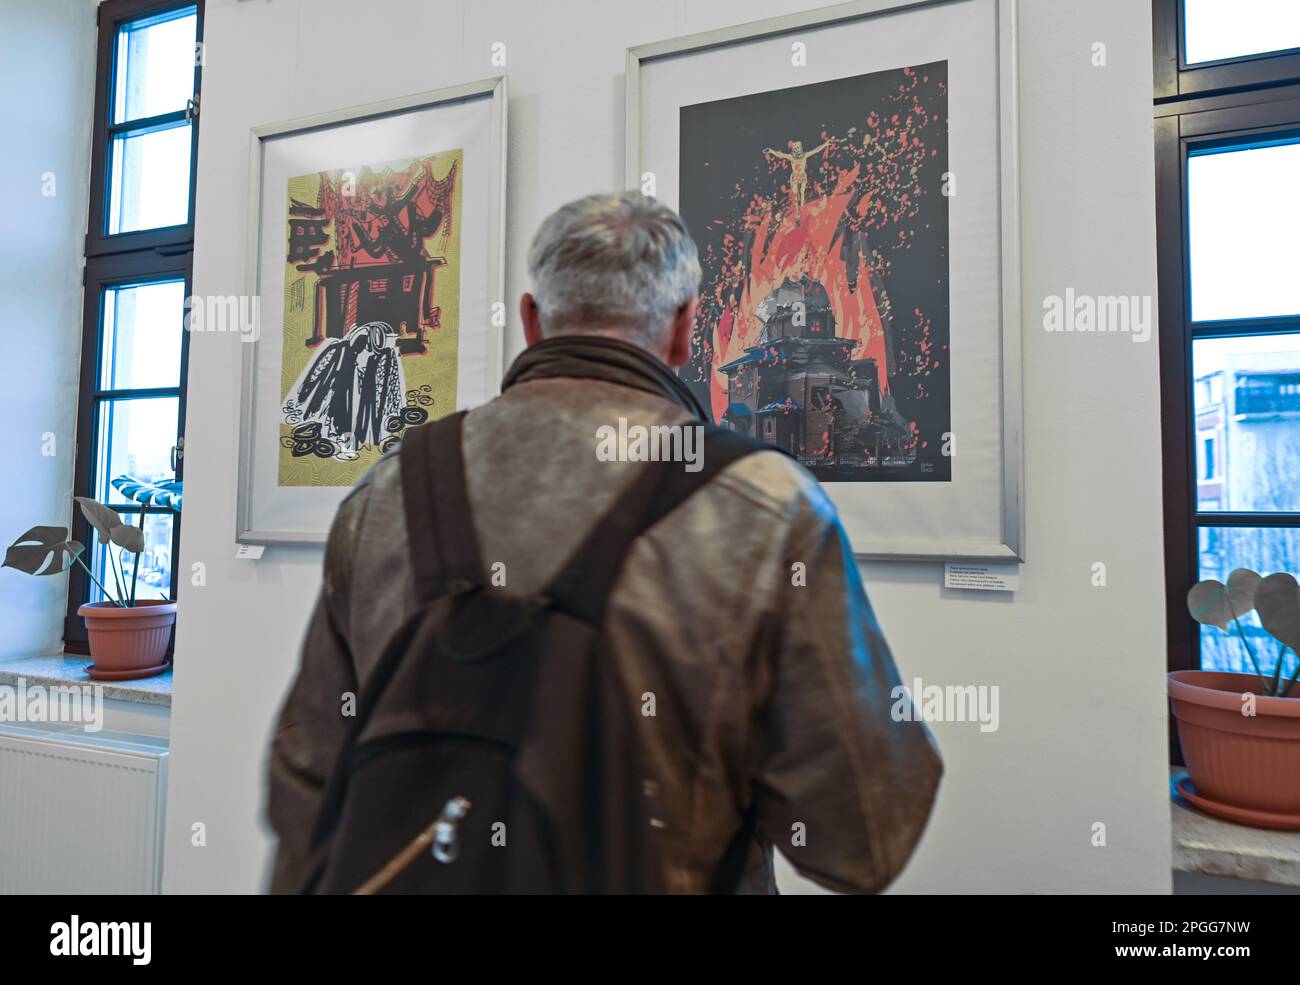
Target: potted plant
{"type": "Point", "coordinates": [1240, 733]}
{"type": "Point", "coordinates": [128, 636]}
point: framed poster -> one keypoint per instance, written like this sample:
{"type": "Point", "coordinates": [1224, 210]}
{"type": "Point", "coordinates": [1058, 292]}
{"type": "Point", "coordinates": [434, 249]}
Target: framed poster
{"type": "Point", "coordinates": [375, 254]}
{"type": "Point", "coordinates": [849, 176]}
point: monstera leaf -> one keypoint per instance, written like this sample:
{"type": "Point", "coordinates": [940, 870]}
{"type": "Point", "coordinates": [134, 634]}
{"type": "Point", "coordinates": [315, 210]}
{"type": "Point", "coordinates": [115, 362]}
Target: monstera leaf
{"type": "Point", "coordinates": [40, 551]}
{"type": "Point", "coordinates": [108, 524]}
{"type": "Point", "coordinates": [1212, 603]}
{"type": "Point", "coordinates": [128, 538]}
{"type": "Point", "coordinates": [164, 494]}
{"type": "Point", "coordinates": [1277, 600]}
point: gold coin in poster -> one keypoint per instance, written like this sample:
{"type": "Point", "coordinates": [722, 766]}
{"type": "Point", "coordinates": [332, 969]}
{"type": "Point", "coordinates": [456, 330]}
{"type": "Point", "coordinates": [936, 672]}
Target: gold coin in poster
{"type": "Point", "coordinates": [371, 312]}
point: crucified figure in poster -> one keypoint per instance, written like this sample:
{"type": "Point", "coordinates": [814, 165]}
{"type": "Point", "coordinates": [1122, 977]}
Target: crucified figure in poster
{"type": "Point", "coordinates": [798, 159]}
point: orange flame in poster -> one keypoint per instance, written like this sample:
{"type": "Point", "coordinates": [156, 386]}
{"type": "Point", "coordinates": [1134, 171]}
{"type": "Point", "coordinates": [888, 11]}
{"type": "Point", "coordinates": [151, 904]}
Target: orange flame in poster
{"type": "Point", "coordinates": [809, 247]}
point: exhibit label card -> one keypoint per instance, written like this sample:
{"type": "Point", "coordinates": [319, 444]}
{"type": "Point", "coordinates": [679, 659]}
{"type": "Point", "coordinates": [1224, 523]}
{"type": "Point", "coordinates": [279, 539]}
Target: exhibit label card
{"type": "Point", "coordinates": [984, 577]}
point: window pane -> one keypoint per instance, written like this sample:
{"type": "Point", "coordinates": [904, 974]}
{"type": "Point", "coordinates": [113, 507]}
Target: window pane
{"type": "Point", "coordinates": [155, 65]}
{"type": "Point", "coordinates": [155, 578]}
{"type": "Point", "coordinates": [142, 336]}
{"type": "Point", "coordinates": [150, 184]}
{"type": "Point", "coordinates": [1262, 549]}
{"type": "Point", "coordinates": [1215, 29]}
{"type": "Point", "coordinates": [1247, 412]}
{"type": "Point", "coordinates": [135, 438]}
{"type": "Point", "coordinates": [1241, 220]}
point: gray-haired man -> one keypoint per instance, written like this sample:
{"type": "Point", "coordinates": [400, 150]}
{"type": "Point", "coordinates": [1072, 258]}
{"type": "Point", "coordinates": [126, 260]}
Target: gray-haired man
{"type": "Point", "coordinates": [780, 686]}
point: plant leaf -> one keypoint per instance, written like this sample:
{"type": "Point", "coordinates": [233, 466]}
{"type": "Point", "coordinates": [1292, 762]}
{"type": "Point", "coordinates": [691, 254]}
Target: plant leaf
{"type": "Point", "coordinates": [100, 517]}
{"type": "Point", "coordinates": [42, 548]}
{"type": "Point", "coordinates": [128, 537]}
{"type": "Point", "coordinates": [165, 494]}
{"type": "Point", "coordinates": [1277, 599]}
{"type": "Point", "coordinates": [1213, 603]}
{"type": "Point", "coordinates": [110, 526]}
{"type": "Point", "coordinates": [1242, 583]}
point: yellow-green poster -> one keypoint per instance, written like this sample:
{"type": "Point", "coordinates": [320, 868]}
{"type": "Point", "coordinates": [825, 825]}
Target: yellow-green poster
{"type": "Point", "coordinates": [371, 312]}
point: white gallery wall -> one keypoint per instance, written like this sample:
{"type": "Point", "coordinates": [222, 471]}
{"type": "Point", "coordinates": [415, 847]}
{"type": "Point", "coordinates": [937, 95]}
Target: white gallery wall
{"type": "Point", "coordinates": [1082, 736]}
{"type": "Point", "coordinates": [47, 73]}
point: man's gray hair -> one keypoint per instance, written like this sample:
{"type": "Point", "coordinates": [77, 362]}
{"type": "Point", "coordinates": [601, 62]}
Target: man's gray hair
{"type": "Point", "coordinates": [623, 261]}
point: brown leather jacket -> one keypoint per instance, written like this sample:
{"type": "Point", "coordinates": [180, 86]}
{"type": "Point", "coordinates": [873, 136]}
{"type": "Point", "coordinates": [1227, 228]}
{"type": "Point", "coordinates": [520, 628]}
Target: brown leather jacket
{"type": "Point", "coordinates": [784, 682]}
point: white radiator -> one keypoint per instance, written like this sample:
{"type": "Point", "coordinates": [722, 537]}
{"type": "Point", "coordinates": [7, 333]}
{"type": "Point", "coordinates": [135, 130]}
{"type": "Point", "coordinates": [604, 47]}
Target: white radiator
{"type": "Point", "coordinates": [80, 813]}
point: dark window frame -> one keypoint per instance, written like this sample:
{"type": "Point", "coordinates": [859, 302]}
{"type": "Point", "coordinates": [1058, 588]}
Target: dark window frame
{"type": "Point", "coordinates": [112, 15]}
{"type": "Point", "coordinates": [1182, 128]}
{"type": "Point", "coordinates": [1175, 78]}
{"type": "Point", "coordinates": [1196, 119]}
{"type": "Point", "coordinates": [121, 260]}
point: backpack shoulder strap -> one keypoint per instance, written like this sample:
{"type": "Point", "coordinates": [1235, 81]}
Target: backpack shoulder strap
{"type": "Point", "coordinates": [444, 549]}
{"type": "Point", "coordinates": [582, 586]}
{"type": "Point", "coordinates": [444, 557]}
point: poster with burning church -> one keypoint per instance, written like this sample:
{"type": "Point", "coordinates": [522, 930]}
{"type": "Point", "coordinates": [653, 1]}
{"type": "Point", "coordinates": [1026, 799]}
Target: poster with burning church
{"type": "Point", "coordinates": [821, 217]}
{"type": "Point", "coordinates": [371, 312]}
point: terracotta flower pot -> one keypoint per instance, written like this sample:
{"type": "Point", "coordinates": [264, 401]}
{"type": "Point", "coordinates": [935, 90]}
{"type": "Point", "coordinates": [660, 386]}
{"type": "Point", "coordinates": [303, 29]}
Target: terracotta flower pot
{"type": "Point", "coordinates": [1242, 768]}
{"type": "Point", "coordinates": [127, 643]}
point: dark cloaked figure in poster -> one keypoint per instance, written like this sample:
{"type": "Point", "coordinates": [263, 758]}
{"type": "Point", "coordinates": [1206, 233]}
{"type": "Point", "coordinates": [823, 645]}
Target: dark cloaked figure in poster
{"type": "Point", "coordinates": [346, 395]}
{"type": "Point", "coordinates": [821, 217]}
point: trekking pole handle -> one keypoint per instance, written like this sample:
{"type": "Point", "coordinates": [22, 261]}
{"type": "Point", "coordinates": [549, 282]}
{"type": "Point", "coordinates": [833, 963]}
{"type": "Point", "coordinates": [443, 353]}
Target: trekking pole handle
{"type": "Point", "coordinates": [441, 834]}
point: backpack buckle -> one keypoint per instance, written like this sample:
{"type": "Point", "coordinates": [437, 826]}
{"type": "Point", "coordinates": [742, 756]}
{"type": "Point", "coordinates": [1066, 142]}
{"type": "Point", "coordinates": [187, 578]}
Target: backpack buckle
{"type": "Point", "coordinates": [446, 844]}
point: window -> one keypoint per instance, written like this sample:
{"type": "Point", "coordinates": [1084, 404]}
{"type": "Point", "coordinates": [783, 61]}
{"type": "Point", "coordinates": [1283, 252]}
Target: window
{"type": "Point", "coordinates": [1222, 30]}
{"type": "Point", "coordinates": [1227, 124]}
{"type": "Point", "coordinates": [137, 278]}
{"type": "Point", "coordinates": [1239, 230]}
{"type": "Point", "coordinates": [1209, 466]}
{"type": "Point", "coordinates": [1214, 46]}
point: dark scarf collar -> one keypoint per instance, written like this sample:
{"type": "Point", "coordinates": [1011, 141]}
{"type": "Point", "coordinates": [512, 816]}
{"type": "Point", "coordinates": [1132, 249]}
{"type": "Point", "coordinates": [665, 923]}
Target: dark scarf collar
{"type": "Point", "coordinates": [598, 357]}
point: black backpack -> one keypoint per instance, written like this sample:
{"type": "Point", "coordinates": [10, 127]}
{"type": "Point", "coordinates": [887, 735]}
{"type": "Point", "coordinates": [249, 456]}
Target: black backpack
{"type": "Point", "coordinates": [493, 748]}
